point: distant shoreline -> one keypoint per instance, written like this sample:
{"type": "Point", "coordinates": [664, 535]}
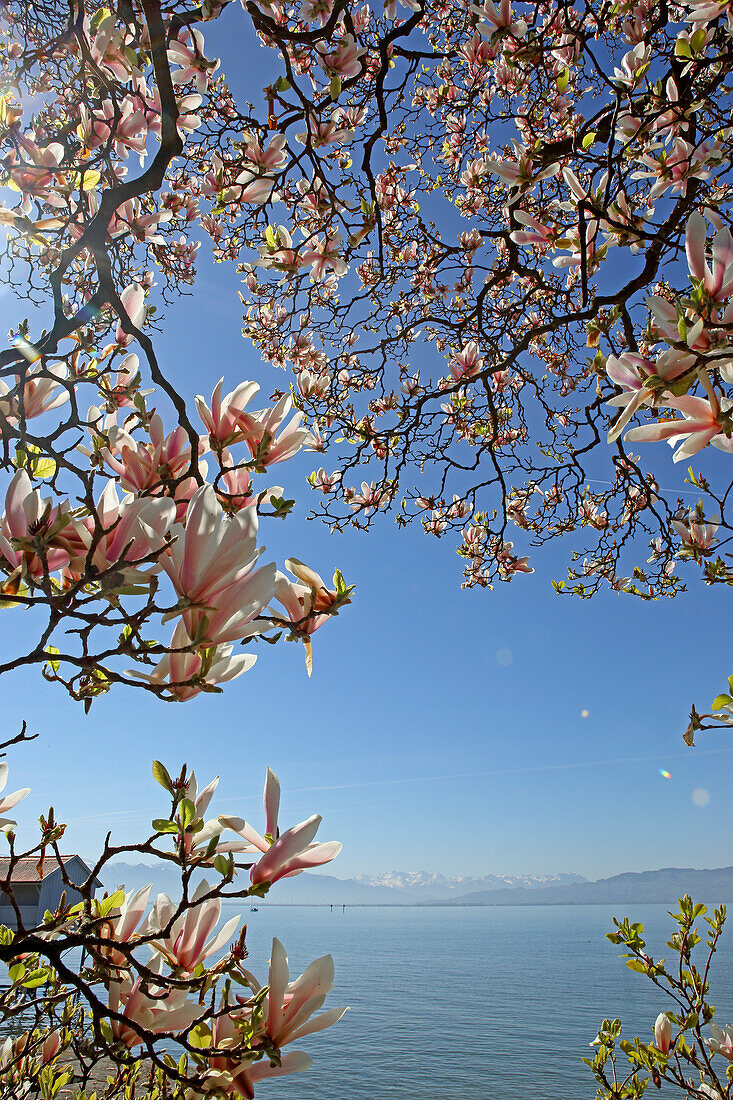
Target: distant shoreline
{"type": "Point", "coordinates": [660, 887]}
{"type": "Point", "coordinates": [451, 904]}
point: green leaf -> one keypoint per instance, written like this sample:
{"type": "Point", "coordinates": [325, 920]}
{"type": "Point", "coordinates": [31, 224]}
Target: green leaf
{"type": "Point", "coordinates": [35, 978]}
{"type": "Point", "coordinates": [721, 701]}
{"type": "Point", "coordinates": [187, 811]}
{"type": "Point", "coordinates": [55, 665]}
{"type": "Point", "coordinates": [161, 775]}
{"type": "Point", "coordinates": [15, 973]}
{"type": "Point", "coordinates": [200, 1036]}
{"type": "Point", "coordinates": [162, 825]}
{"type": "Point", "coordinates": [224, 864]}
{"type": "Point", "coordinates": [106, 905]}
{"type": "Point", "coordinates": [589, 139]}
{"type": "Point", "coordinates": [698, 40]}
{"type": "Point", "coordinates": [335, 87]}
{"type": "Point", "coordinates": [563, 80]}
{"type": "Point", "coordinates": [33, 459]}
{"type": "Point", "coordinates": [637, 964]}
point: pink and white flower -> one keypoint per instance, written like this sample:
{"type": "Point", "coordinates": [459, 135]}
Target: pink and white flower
{"type": "Point", "coordinates": [721, 1040]}
{"type": "Point", "coordinates": [663, 1031]}
{"type": "Point", "coordinates": [132, 300]}
{"type": "Point", "coordinates": [631, 373]}
{"type": "Point", "coordinates": [163, 1011]}
{"type": "Point", "coordinates": [718, 282]}
{"type": "Point", "coordinates": [211, 566]}
{"type": "Point", "coordinates": [33, 394]}
{"type": "Point", "coordinates": [261, 433]}
{"type": "Point", "coordinates": [703, 423]}
{"type": "Point", "coordinates": [121, 925]}
{"type": "Point", "coordinates": [467, 362]}
{"type": "Point", "coordinates": [186, 940]}
{"type": "Point", "coordinates": [287, 854]}
{"type": "Point", "coordinates": [10, 800]}
{"type": "Point", "coordinates": [187, 669]}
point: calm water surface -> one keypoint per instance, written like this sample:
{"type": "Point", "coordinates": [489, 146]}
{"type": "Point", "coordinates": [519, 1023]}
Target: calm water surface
{"type": "Point", "coordinates": [467, 1003]}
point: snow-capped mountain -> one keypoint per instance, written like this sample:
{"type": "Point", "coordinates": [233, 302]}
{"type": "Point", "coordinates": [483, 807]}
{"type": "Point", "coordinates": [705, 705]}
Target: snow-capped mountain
{"type": "Point", "coordinates": [437, 886]}
{"type": "Point", "coordinates": [387, 888]}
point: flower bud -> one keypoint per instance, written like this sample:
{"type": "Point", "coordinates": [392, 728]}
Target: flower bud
{"type": "Point", "coordinates": [662, 1033]}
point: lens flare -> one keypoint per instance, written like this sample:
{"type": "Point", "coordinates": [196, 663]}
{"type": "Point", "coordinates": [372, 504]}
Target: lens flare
{"type": "Point", "coordinates": [26, 349]}
{"type": "Point", "coordinates": [584, 713]}
{"type": "Point", "coordinates": [664, 774]}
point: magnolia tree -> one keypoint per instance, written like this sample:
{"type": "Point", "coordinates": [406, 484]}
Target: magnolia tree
{"type": "Point", "coordinates": [125, 510]}
{"type": "Point", "coordinates": [160, 1003]}
{"type": "Point", "coordinates": [147, 517]}
{"type": "Point", "coordinates": [491, 245]}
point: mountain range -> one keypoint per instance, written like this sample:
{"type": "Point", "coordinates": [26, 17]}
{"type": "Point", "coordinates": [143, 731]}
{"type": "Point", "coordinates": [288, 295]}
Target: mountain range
{"type": "Point", "coordinates": [423, 888]}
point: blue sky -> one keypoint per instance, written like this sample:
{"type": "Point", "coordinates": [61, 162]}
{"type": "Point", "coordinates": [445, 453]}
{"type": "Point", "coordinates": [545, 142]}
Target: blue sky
{"type": "Point", "coordinates": [442, 729]}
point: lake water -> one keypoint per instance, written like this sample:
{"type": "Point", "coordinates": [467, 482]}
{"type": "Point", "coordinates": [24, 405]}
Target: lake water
{"type": "Point", "coordinates": [467, 1003]}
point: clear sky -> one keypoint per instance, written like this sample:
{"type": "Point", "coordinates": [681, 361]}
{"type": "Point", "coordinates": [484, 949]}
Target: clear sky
{"type": "Point", "coordinates": [442, 730]}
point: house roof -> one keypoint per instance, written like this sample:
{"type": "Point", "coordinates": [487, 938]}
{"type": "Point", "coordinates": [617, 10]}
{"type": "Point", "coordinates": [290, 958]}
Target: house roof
{"type": "Point", "coordinates": [25, 869]}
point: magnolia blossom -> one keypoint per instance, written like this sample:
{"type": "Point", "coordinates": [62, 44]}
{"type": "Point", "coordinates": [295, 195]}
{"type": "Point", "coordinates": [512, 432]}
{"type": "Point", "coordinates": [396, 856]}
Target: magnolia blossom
{"type": "Point", "coordinates": [467, 362]}
{"type": "Point", "coordinates": [9, 800]}
{"type": "Point", "coordinates": [289, 1009]}
{"type": "Point", "coordinates": [121, 393]}
{"type": "Point", "coordinates": [196, 843]}
{"type": "Point", "coordinates": [144, 466]}
{"type": "Point", "coordinates": [211, 565]}
{"type": "Point", "coordinates": [194, 66]}
{"type": "Point", "coordinates": [36, 176]}
{"type": "Point", "coordinates": [262, 428]}
{"type": "Point", "coordinates": [632, 373]}
{"type": "Point", "coordinates": [323, 255]}
{"type": "Point", "coordinates": [289, 1005]}
{"type": "Point", "coordinates": [718, 282]}
{"type": "Point", "coordinates": [344, 61]}
{"type": "Point", "coordinates": [308, 602]}
{"type": "Point", "coordinates": [498, 19]}
{"type": "Point", "coordinates": [223, 419]}
{"type": "Point", "coordinates": [35, 534]}
{"type": "Point", "coordinates": [696, 537]}
{"type": "Point", "coordinates": [133, 303]}
{"type": "Point", "coordinates": [721, 1040]}
{"type": "Point", "coordinates": [703, 423]}
{"type": "Point", "coordinates": [187, 669]}
{"type": "Point", "coordinates": [238, 1073]}
{"type": "Point", "coordinates": [663, 1031]}
{"type": "Point", "coordinates": [287, 854]}
{"type": "Point", "coordinates": [121, 925]}
{"type": "Point", "coordinates": [370, 497]}
{"type": "Point", "coordinates": [235, 489]}
{"type": "Point", "coordinates": [162, 1011]}
{"type": "Point", "coordinates": [185, 943]}
{"type": "Point", "coordinates": [33, 394]}
{"type": "Point", "coordinates": [131, 530]}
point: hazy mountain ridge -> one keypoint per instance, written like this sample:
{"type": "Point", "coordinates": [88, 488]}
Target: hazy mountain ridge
{"type": "Point", "coordinates": [714, 886]}
{"type": "Point", "coordinates": [424, 888]}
